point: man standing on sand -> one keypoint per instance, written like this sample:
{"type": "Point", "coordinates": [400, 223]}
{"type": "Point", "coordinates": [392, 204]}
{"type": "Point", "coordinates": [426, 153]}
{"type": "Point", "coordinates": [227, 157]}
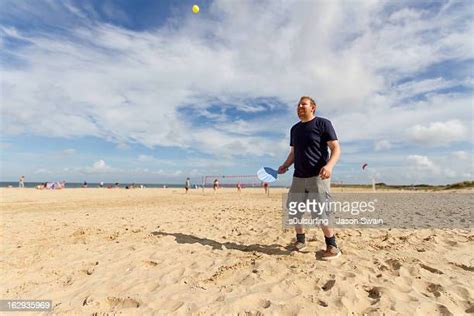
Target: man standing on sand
{"type": "Point", "coordinates": [187, 184]}
{"type": "Point", "coordinates": [21, 183]}
{"type": "Point", "coordinates": [309, 142]}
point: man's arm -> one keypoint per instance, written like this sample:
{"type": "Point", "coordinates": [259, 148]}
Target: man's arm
{"type": "Point", "coordinates": [288, 162]}
{"type": "Point", "coordinates": [326, 171]}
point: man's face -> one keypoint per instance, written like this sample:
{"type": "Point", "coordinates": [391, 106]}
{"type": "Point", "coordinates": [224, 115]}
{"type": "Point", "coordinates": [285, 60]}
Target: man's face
{"type": "Point", "coordinates": [304, 109]}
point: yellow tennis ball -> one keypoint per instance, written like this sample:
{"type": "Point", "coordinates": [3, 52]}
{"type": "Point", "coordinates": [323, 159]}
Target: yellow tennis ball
{"type": "Point", "coordinates": [195, 8]}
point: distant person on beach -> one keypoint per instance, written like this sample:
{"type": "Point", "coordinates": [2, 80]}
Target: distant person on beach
{"type": "Point", "coordinates": [101, 184]}
{"type": "Point", "coordinates": [187, 185]}
{"type": "Point", "coordinates": [56, 185]}
{"type": "Point", "coordinates": [84, 185]}
{"type": "Point", "coordinates": [41, 186]}
{"type": "Point", "coordinates": [239, 187]}
{"type": "Point", "coordinates": [215, 185]}
{"type": "Point", "coordinates": [265, 187]}
{"type": "Point", "coordinates": [52, 185]}
{"type": "Point", "coordinates": [21, 182]}
{"type": "Point", "coordinates": [309, 142]}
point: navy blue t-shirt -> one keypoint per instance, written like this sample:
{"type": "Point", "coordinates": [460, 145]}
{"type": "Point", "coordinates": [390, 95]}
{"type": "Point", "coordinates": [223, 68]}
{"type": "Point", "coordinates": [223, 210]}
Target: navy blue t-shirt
{"type": "Point", "coordinates": [309, 140]}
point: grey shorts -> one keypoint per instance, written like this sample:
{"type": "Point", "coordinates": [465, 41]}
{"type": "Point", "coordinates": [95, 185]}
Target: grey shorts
{"type": "Point", "coordinates": [314, 194]}
{"type": "Point", "coordinates": [310, 185]}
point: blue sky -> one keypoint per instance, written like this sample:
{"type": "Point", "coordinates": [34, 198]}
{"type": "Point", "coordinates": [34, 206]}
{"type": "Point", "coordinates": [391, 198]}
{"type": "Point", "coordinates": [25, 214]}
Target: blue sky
{"type": "Point", "coordinates": [147, 91]}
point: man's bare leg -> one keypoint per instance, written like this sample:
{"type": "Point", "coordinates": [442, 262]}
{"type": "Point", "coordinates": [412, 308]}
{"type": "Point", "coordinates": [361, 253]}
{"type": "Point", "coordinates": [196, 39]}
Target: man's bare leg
{"type": "Point", "coordinates": [328, 231]}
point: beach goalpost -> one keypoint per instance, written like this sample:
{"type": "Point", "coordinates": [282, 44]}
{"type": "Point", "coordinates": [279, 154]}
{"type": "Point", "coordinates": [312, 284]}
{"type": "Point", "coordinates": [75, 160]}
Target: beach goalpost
{"type": "Point", "coordinates": [231, 181]}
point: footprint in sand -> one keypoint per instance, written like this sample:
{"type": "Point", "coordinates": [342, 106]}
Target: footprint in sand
{"type": "Point", "coordinates": [120, 302]}
{"type": "Point", "coordinates": [444, 311]}
{"type": "Point", "coordinates": [68, 281]}
{"type": "Point", "coordinates": [113, 302]}
{"type": "Point", "coordinates": [87, 301]}
{"type": "Point", "coordinates": [151, 263]}
{"type": "Point", "coordinates": [394, 266]}
{"type": "Point", "coordinates": [429, 238]}
{"type": "Point", "coordinates": [88, 271]}
{"type": "Point", "coordinates": [435, 289]}
{"type": "Point", "coordinates": [347, 275]}
{"type": "Point", "coordinates": [265, 303]}
{"type": "Point", "coordinates": [463, 266]}
{"type": "Point", "coordinates": [323, 303]}
{"type": "Point", "coordinates": [79, 236]}
{"type": "Point", "coordinates": [374, 292]}
{"type": "Point", "coordinates": [432, 270]}
{"type": "Point", "coordinates": [394, 263]}
{"type": "Point", "coordinates": [328, 285]}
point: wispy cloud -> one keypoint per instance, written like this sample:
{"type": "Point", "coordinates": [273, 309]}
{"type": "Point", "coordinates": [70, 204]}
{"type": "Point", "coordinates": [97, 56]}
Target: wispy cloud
{"type": "Point", "coordinates": [424, 164]}
{"type": "Point", "coordinates": [440, 133]}
{"type": "Point", "coordinates": [462, 155]}
{"type": "Point", "coordinates": [382, 145]}
{"type": "Point", "coordinates": [145, 158]}
{"type": "Point", "coordinates": [41, 171]}
{"type": "Point", "coordinates": [69, 152]}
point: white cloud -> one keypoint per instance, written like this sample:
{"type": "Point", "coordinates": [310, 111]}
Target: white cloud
{"type": "Point", "coordinates": [4, 145]}
{"type": "Point", "coordinates": [158, 172]}
{"type": "Point", "coordinates": [424, 164]}
{"type": "Point", "coordinates": [382, 145]}
{"type": "Point", "coordinates": [405, 15]}
{"type": "Point", "coordinates": [462, 155]}
{"type": "Point", "coordinates": [122, 146]}
{"type": "Point", "coordinates": [145, 158]}
{"type": "Point", "coordinates": [383, 121]}
{"type": "Point", "coordinates": [69, 151]}
{"type": "Point", "coordinates": [166, 174]}
{"type": "Point", "coordinates": [208, 164]}
{"type": "Point", "coordinates": [41, 171]}
{"type": "Point", "coordinates": [99, 167]}
{"type": "Point", "coordinates": [439, 133]}
{"type": "Point", "coordinates": [416, 87]}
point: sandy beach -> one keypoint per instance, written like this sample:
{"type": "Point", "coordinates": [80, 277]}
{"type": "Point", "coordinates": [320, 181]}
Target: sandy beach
{"type": "Point", "coordinates": [159, 250]}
